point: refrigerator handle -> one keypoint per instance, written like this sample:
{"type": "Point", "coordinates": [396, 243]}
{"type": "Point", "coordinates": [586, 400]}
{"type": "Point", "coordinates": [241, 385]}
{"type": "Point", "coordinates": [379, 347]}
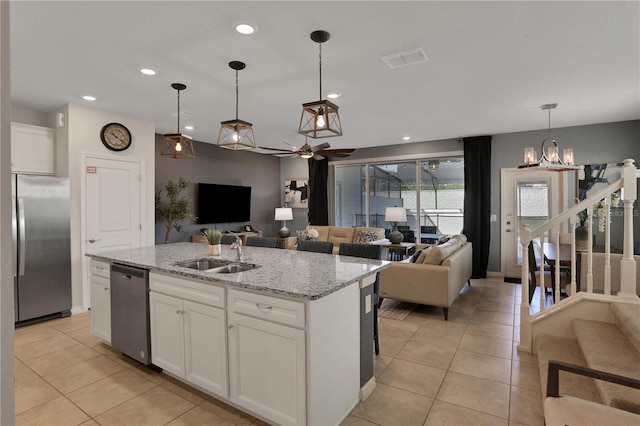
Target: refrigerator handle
{"type": "Point", "coordinates": [21, 232]}
{"type": "Point", "coordinates": [14, 234]}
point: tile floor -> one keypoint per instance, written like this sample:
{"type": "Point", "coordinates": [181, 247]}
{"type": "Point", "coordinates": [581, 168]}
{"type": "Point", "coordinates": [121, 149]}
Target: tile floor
{"type": "Point", "coordinates": [465, 371]}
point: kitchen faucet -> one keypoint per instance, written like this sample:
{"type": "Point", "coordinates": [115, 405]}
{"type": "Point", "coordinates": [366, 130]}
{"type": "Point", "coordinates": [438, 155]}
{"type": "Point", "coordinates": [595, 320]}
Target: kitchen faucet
{"type": "Point", "coordinates": [237, 245]}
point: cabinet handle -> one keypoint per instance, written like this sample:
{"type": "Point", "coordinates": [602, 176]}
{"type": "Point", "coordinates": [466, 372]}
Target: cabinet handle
{"type": "Point", "coordinates": [178, 312]}
{"type": "Point", "coordinates": [106, 289]}
{"type": "Point", "coordinates": [231, 326]}
{"type": "Point", "coordinates": [266, 308]}
{"type": "Point", "coordinates": [100, 268]}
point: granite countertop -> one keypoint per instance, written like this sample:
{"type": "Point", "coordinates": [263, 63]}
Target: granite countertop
{"type": "Point", "coordinates": [297, 274]}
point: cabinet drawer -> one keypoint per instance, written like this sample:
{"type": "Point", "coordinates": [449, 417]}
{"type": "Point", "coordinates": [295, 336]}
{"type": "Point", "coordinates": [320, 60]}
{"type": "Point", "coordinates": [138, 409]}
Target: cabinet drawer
{"type": "Point", "coordinates": [200, 292]}
{"type": "Point", "coordinates": [266, 307]}
{"type": "Point", "coordinates": [101, 269]}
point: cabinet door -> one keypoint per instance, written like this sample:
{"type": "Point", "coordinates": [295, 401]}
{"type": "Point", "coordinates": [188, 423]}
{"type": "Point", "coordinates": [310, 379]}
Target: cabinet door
{"type": "Point", "coordinates": [100, 307]}
{"type": "Point", "coordinates": [267, 369]}
{"type": "Point", "coordinates": [206, 348]}
{"type": "Point", "coordinates": [167, 333]}
{"type": "Point", "coordinates": [32, 149]}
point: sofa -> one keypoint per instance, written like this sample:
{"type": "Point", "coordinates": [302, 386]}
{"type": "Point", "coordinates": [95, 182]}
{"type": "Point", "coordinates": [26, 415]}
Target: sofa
{"type": "Point", "coordinates": [338, 234]}
{"type": "Point", "coordinates": [432, 276]}
{"type": "Point", "coordinates": [598, 272]}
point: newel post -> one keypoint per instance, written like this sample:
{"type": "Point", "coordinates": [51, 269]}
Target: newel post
{"type": "Point", "coordinates": [526, 343]}
{"type": "Point", "coordinates": [628, 263]}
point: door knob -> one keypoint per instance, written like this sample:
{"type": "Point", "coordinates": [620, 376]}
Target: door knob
{"type": "Point", "coordinates": [508, 230]}
{"type": "Point", "coordinates": [93, 240]}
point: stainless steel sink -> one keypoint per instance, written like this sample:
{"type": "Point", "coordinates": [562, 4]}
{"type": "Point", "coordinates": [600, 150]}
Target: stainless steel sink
{"type": "Point", "coordinates": [203, 264]}
{"type": "Point", "coordinates": [217, 265]}
{"type": "Point", "coordinates": [235, 267]}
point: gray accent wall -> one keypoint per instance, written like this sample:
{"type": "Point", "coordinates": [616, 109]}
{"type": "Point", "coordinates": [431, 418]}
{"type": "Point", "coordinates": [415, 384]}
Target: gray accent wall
{"type": "Point", "coordinates": [222, 166]}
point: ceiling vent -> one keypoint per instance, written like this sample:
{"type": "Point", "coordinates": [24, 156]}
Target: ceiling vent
{"type": "Point", "coordinates": [408, 57]}
{"type": "Point", "coordinates": [185, 114]}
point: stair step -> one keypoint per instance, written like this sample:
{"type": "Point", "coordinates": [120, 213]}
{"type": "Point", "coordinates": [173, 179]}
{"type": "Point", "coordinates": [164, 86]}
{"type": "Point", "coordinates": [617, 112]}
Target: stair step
{"type": "Point", "coordinates": [566, 350]}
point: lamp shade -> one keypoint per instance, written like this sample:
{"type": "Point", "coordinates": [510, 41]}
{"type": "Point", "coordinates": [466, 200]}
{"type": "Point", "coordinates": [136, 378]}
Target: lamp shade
{"type": "Point", "coordinates": [395, 214]}
{"type": "Point", "coordinates": [284, 213]}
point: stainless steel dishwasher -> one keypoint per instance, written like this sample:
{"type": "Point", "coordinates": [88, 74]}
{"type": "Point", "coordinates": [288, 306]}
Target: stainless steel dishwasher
{"type": "Point", "coordinates": [130, 312]}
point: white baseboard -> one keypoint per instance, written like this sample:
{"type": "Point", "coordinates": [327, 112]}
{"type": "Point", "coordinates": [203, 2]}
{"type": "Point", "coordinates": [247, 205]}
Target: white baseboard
{"type": "Point", "coordinates": [77, 310]}
{"type": "Point", "coordinates": [367, 389]}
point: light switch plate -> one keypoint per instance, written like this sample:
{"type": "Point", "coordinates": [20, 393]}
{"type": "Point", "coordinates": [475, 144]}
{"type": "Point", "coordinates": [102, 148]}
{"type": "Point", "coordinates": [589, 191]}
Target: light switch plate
{"type": "Point", "coordinates": [367, 304]}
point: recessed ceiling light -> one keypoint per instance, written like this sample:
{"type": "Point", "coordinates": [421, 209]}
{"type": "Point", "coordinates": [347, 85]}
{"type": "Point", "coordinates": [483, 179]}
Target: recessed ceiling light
{"type": "Point", "coordinates": [245, 28]}
{"type": "Point", "coordinates": [188, 127]}
{"type": "Point", "coordinates": [148, 71]}
{"type": "Point", "coordinates": [406, 138]}
{"type": "Point", "coordinates": [89, 98]}
{"type": "Point", "coordinates": [334, 95]}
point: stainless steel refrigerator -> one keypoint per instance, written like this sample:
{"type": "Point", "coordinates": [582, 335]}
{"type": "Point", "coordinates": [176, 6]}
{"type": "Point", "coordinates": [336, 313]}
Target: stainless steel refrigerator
{"type": "Point", "coordinates": [41, 247]}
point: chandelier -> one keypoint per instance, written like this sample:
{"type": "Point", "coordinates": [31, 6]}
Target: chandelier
{"type": "Point", "coordinates": [320, 119]}
{"type": "Point", "coordinates": [236, 134]}
{"type": "Point", "coordinates": [177, 145]}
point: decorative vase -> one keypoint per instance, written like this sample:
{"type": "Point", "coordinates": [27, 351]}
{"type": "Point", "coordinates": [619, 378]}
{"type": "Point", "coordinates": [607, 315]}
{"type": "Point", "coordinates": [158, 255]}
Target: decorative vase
{"type": "Point", "coordinates": [214, 249]}
{"type": "Point", "coordinates": [582, 237]}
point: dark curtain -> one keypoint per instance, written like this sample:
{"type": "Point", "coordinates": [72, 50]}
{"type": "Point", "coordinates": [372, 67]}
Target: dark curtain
{"type": "Point", "coordinates": [318, 204]}
{"type": "Point", "coordinates": [477, 200]}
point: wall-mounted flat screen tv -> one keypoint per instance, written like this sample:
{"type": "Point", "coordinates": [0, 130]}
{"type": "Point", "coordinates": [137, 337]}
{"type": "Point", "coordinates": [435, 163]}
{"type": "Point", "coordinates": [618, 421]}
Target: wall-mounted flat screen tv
{"type": "Point", "coordinates": [223, 203]}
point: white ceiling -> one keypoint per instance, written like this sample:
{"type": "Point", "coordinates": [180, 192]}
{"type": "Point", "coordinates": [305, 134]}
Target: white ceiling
{"type": "Point", "coordinates": [491, 64]}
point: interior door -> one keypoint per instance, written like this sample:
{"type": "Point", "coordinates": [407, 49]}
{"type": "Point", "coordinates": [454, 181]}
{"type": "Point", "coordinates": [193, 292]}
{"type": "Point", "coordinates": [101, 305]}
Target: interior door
{"type": "Point", "coordinates": [528, 197]}
{"type": "Point", "coordinates": [113, 205]}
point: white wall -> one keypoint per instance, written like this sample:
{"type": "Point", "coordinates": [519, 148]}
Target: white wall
{"type": "Point", "coordinates": [79, 137]}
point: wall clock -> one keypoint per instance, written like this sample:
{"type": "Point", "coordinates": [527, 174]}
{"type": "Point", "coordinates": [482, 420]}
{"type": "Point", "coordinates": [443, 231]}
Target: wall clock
{"type": "Point", "coordinates": [115, 136]}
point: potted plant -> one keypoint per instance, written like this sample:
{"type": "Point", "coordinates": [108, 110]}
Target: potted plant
{"type": "Point", "coordinates": [213, 237]}
{"type": "Point", "coordinates": [175, 209]}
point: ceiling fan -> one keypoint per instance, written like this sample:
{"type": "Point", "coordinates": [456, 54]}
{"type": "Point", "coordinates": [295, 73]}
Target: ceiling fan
{"type": "Point", "coordinates": [318, 152]}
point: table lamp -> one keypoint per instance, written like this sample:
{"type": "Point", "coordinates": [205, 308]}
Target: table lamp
{"type": "Point", "coordinates": [284, 214]}
{"type": "Point", "coordinates": [395, 215]}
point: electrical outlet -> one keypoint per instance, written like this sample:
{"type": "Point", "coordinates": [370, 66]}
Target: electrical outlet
{"type": "Point", "coordinates": [494, 218]}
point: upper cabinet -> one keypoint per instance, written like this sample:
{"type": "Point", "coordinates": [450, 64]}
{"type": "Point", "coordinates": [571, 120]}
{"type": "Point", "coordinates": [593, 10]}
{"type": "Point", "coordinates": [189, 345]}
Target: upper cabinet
{"type": "Point", "coordinates": [32, 149]}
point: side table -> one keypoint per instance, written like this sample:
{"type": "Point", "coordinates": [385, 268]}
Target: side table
{"type": "Point", "coordinates": [288, 243]}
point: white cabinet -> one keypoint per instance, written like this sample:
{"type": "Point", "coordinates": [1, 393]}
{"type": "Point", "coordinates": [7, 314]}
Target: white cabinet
{"type": "Point", "coordinates": [188, 338]}
{"type": "Point", "coordinates": [267, 370]}
{"type": "Point", "coordinates": [99, 281]}
{"type": "Point", "coordinates": [32, 149]}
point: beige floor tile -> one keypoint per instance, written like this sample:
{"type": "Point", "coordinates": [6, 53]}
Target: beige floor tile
{"type": "Point", "coordinates": [488, 315]}
{"type": "Point", "coordinates": [155, 407]}
{"type": "Point", "coordinates": [391, 406]}
{"type": "Point", "coordinates": [524, 357]}
{"type": "Point", "coordinates": [440, 324]}
{"type": "Point", "coordinates": [32, 391]}
{"type": "Point", "coordinates": [356, 421]}
{"type": "Point", "coordinates": [103, 395]}
{"type": "Point", "coordinates": [422, 352]}
{"type": "Point", "coordinates": [189, 393]}
{"type": "Point", "coordinates": [417, 378]}
{"type": "Point", "coordinates": [73, 322]}
{"type": "Point", "coordinates": [61, 359]}
{"type": "Point", "coordinates": [89, 422]}
{"type": "Point", "coordinates": [227, 412]}
{"type": "Point", "coordinates": [21, 371]}
{"type": "Point", "coordinates": [59, 411]}
{"type": "Point", "coordinates": [83, 335]}
{"type": "Point", "coordinates": [483, 366]}
{"type": "Point", "coordinates": [393, 327]}
{"type": "Point", "coordinates": [482, 328]}
{"type": "Point", "coordinates": [390, 345]}
{"type": "Point", "coordinates": [526, 407]}
{"type": "Point", "coordinates": [525, 375]}
{"type": "Point", "coordinates": [438, 336]}
{"type": "Point", "coordinates": [77, 376]}
{"type": "Point", "coordinates": [502, 348]}
{"type": "Point", "coordinates": [33, 333]}
{"type": "Point", "coordinates": [505, 307]}
{"type": "Point", "coordinates": [416, 318]}
{"type": "Point", "coordinates": [444, 414]}
{"type": "Point", "coordinates": [199, 416]}
{"type": "Point", "coordinates": [380, 363]}
{"type": "Point", "coordinates": [35, 349]}
{"type": "Point", "coordinates": [475, 393]}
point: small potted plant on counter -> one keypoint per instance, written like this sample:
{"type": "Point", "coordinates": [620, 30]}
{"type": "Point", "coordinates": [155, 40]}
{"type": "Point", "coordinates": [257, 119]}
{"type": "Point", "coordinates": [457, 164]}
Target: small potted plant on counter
{"type": "Point", "coordinates": [213, 237]}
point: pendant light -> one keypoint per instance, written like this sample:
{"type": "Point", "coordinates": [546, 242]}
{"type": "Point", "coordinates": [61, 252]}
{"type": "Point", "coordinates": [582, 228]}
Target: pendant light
{"type": "Point", "coordinates": [549, 155]}
{"type": "Point", "coordinates": [177, 145]}
{"type": "Point", "coordinates": [320, 119]}
{"type": "Point", "coordinates": [236, 134]}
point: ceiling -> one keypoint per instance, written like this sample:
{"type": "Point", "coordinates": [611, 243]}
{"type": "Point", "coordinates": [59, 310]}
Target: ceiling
{"type": "Point", "coordinates": [490, 67]}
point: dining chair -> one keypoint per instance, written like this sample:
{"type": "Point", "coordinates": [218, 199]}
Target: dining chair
{"type": "Point", "coordinates": [549, 272]}
{"type": "Point", "coordinates": [370, 251]}
{"type": "Point", "coordinates": [268, 242]}
{"type": "Point", "coordinates": [316, 246]}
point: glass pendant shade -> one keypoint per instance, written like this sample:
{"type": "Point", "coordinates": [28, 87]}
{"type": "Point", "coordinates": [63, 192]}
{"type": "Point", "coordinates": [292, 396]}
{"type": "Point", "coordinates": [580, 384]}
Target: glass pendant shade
{"type": "Point", "coordinates": [320, 119]}
{"type": "Point", "coordinates": [236, 135]}
{"type": "Point", "coordinates": [177, 145]}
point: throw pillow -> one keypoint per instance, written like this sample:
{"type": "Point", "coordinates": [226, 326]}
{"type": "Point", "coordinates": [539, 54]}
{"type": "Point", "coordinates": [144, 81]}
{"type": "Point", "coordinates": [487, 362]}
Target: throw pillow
{"type": "Point", "coordinates": [415, 256]}
{"type": "Point", "coordinates": [423, 256]}
{"type": "Point", "coordinates": [365, 237]}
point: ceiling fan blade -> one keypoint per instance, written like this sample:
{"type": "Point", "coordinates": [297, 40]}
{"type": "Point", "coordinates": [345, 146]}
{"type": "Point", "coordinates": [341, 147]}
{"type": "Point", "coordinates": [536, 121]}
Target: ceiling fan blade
{"type": "Point", "coordinates": [284, 151]}
{"type": "Point", "coordinates": [294, 148]}
{"type": "Point", "coordinates": [335, 152]}
{"type": "Point", "coordinates": [318, 157]}
{"type": "Point", "coordinates": [320, 147]}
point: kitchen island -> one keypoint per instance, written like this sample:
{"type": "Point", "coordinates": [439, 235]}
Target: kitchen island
{"type": "Point", "coordinates": [280, 341]}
